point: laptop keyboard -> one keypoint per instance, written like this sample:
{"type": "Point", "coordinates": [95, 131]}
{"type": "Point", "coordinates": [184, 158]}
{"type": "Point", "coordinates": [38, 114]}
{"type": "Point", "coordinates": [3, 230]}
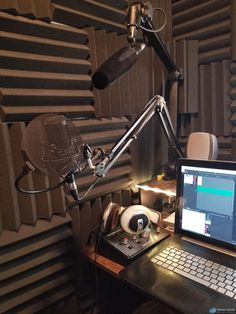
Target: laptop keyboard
{"type": "Point", "coordinates": [203, 271]}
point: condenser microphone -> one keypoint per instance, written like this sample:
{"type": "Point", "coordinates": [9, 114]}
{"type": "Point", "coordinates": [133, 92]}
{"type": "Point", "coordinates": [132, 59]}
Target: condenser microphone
{"type": "Point", "coordinates": [54, 146]}
{"type": "Point", "coordinates": [116, 66]}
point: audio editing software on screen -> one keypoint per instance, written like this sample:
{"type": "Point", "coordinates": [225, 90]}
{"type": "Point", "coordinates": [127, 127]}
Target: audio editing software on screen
{"type": "Point", "coordinates": [209, 202]}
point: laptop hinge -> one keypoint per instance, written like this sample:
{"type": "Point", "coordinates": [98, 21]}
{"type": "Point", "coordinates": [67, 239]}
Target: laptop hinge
{"type": "Point", "coordinates": [210, 246]}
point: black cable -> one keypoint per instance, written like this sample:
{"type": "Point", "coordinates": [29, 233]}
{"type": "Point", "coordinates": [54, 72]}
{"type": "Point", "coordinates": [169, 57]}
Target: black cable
{"type": "Point", "coordinates": [99, 236]}
{"type": "Point", "coordinates": [25, 171]}
{"type": "Point", "coordinates": [95, 236]}
{"type": "Point", "coordinates": [70, 206]}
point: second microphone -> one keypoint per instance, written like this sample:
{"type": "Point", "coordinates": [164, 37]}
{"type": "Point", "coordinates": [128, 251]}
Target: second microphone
{"type": "Point", "coordinates": [116, 66]}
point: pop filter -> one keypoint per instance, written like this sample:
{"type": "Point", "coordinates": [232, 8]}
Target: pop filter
{"type": "Point", "coordinates": [53, 145]}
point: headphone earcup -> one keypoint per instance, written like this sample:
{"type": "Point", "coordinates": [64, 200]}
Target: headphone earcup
{"type": "Point", "coordinates": [110, 217]}
{"type": "Point", "coordinates": [134, 219]}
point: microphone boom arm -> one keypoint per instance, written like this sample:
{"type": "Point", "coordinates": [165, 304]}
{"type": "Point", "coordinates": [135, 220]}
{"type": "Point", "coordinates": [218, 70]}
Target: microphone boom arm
{"type": "Point", "coordinates": [140, 16]}
{"type": "Point", "coordinates": [160, 49]}
{"type": "Point", "coordinates": [155, 105]}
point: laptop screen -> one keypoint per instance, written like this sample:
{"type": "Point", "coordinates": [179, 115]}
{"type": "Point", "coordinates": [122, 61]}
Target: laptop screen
{"type": "Point", "coordinates": [206, 198]}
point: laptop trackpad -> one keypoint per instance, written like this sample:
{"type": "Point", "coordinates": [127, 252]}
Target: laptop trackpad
{"type": "Point", "coordinates": [187, 295]}
{"type": "Point", "coordinates": [179, 293]}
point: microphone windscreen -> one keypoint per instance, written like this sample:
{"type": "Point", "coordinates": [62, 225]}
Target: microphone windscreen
{"type": "Point", "coordinates": [113, 68]}
{"type": "Point", "coordinates": [53, 145]}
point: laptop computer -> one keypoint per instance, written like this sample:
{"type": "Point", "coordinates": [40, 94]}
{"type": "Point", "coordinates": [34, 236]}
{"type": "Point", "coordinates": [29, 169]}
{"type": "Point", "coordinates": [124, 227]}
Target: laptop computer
{"type": "Point", "coordinates": [194, 270]}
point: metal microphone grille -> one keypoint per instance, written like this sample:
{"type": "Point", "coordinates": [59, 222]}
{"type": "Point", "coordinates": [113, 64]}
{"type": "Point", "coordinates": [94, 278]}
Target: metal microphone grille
{"type": "Point", "coordinates": [53, 144]}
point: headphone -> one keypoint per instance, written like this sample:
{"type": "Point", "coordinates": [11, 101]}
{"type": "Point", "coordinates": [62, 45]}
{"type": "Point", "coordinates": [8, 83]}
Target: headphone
{"type": "Point", "coordinates": [132, 219]}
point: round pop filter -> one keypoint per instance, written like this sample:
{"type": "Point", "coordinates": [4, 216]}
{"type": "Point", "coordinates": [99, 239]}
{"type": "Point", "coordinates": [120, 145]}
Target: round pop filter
{"type": "Point", "coordinates": [53, 145]}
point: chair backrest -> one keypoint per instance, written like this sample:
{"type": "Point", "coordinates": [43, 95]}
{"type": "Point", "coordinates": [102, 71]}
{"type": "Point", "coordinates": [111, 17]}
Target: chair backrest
{"type": "Point", "coordinates": [202, 145]}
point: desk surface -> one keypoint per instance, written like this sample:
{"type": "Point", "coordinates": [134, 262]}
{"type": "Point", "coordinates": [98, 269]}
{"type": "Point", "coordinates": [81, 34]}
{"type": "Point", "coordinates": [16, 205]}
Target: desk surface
{"type": "Point", "coordinates": [174, 291]}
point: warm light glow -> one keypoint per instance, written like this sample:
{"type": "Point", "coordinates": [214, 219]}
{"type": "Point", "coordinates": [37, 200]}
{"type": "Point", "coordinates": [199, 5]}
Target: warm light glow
{"type": "Point", "coordinates": [156, 190]}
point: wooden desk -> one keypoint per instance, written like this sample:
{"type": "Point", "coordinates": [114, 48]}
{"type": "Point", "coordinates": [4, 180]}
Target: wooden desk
{"type": "Point", "coordinates": [103, 262]}
{"type": "Point", "coordinates": [116, 291]}
{"type": "Point", "coordinates": [112, 294]}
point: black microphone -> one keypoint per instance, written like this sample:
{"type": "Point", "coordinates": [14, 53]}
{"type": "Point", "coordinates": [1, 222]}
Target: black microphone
{"type": "Point", "coordinates": [116, 66]}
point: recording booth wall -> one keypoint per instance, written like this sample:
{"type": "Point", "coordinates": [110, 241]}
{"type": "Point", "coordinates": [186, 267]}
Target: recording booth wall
{"type": "Point", "coordinates": [42, 61]}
